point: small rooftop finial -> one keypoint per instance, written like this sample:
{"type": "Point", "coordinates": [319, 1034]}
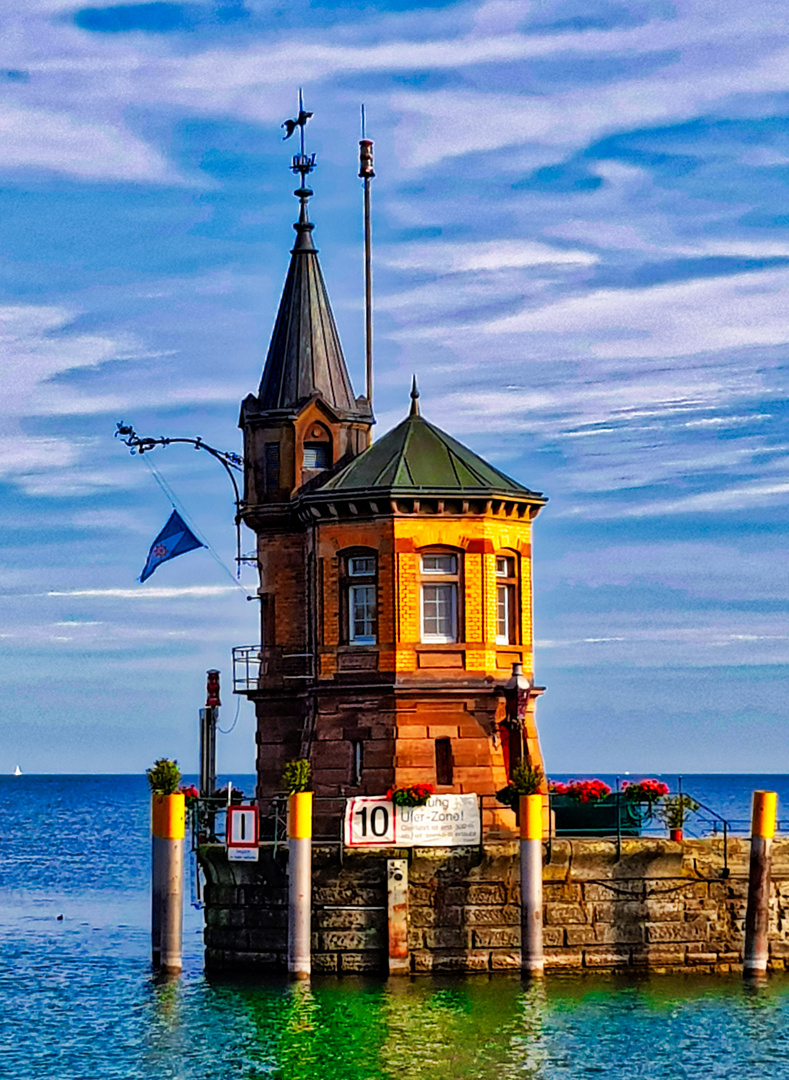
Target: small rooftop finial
{"type": "Point", "coordinates": [414, 398]}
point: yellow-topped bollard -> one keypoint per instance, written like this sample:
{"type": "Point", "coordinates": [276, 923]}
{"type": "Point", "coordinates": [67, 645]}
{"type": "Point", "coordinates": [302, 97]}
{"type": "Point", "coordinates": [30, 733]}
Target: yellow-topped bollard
{"type": "Point", "coordinates": [168, 828]}
{"type": "Point", "coordinates": [299, 883]}
{"type": "Point", "coordinates": [757, 916]}
{"type": "Point", "coordinates": [763, 814]}
{"type": "Point", "coordinates": [168, 816]}
{"type": "Point", "coordinates": [530, 814]}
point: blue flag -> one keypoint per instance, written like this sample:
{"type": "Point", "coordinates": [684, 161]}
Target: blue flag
{"type": "Point", "coordinates": [176, 538]}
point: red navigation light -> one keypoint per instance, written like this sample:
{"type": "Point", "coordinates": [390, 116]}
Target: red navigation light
{"type": "Point", "coordinates": [212, 689]}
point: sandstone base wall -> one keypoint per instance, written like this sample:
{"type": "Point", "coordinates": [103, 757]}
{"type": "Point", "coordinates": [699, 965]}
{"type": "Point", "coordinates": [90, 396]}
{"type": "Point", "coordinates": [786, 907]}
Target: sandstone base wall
{"type": "Point", "coordinates": [653, 904]}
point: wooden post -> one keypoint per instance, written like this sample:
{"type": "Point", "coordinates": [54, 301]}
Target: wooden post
{"type": "Point", "coordinates": [397, 911]}
{"type": "Point", "coordinates": [531, 815]}
{"type": "Point", "coordinates": [168, 826]}
{"type": "Point", "coordinates": [757, 917]}
{"type": "Point", "coordinates": [299, 883]}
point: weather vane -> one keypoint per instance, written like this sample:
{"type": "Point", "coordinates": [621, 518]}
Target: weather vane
{"type": "Point", "coordinates": [302, 163]}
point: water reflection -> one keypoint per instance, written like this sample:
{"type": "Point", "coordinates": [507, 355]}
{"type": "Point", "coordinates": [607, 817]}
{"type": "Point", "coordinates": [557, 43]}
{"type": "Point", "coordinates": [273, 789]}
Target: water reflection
{"type": "Point", "coordinates": [499, 1029]}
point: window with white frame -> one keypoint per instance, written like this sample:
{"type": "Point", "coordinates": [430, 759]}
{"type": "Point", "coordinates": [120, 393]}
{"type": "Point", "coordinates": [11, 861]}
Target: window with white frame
{"type": "Point", "coordinates": [506, 600]}
{"type": "Point", "coordinates": [439, 596]}
{"type": "Point", "coordinates": [360, 591]}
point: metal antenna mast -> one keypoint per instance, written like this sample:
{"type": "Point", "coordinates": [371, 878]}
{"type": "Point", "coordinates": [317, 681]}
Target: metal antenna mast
{"type": "Point", "coordinates": [366, 172]}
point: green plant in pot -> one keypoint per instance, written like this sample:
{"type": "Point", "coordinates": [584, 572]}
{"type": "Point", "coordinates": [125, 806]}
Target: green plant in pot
{"type": "Point", "coordinates": [164, 777]}
{"type": "Point", "coordinates": [296, 776]}
{"type": "Point", "coordinates": [526, 779]}
{"type": "Point", "coordinates": [673, 812]}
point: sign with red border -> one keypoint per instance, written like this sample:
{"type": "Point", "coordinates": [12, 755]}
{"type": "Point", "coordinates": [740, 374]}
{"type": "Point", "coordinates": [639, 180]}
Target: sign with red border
{"type": "Point", "coordinates": [370, 821]}
{"type": "Point", "coordinates": [242, 833]}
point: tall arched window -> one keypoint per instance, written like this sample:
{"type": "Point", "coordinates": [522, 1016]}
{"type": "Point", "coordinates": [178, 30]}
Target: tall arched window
{"type": "Point", "coordinates": [359, 597]}
{"type": "Point", "coordinates": [440, 587]}
{"type": "Point", "coordinates": [506, 598]}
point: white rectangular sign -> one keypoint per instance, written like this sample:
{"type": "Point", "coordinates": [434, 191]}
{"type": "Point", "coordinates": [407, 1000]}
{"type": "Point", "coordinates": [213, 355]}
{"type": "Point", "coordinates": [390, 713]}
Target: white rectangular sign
{"type": "Point", "coordinates": [446, 821]}
{"type": "Point", "coordinates": [242, 854]}
{"type": "Point", "coordinates": [242, 834]}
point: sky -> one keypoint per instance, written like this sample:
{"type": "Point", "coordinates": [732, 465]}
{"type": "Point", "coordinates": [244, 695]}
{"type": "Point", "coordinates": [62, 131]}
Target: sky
{"type": "Point", "coordinates": [581, 247]}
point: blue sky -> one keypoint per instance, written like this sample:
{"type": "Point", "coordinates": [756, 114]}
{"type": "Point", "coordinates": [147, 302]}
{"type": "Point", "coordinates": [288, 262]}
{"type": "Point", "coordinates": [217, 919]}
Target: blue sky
{"type": "Point", "coordinates": [581, 247]}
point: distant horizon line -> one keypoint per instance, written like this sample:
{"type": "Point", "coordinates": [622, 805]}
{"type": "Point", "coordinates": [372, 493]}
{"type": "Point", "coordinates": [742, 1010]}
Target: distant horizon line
{"type": "Point", "coordinates": [559, 772]}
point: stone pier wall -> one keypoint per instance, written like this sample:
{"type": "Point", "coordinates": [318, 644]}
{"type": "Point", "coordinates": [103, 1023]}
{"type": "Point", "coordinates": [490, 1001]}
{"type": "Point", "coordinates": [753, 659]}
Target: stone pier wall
{"type": "Point", "coordinates": [654, 904]}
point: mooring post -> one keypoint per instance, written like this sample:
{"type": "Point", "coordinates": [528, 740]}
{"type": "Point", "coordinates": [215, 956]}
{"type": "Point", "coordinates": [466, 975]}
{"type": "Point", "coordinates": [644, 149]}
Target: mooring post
{"type": "Point", "coordinates": [168, 826]}
{"type": "Point", "coordinates": [757, 916]}
{"type": "Point", "coordinates": [299, 883]}
{"type": "Point", "coordinates": [530, 814]}
{"type": "Point", "coordinates": [397, 915]}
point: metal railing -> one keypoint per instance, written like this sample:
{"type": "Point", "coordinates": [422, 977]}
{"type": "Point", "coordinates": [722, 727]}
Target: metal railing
{"type": "Point", "coordinates": [254, 665]}
{"type": "Point", "coordinates": [615, 818]}
{"type": "Point", "coordinates": [247, 660]}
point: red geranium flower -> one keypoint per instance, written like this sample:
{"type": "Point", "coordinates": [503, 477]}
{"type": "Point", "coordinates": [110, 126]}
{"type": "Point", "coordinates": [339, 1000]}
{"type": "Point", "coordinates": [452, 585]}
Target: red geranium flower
{"type": "Point", "coordinates": [587, 791]}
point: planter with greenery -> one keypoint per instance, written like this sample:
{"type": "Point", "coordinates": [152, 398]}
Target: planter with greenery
{"type": "Point", "coordinates": [526, 779]}
{"type": "Point", "coordinates": [296, 776]}
{"type": "Point", "coordinates": [590, 808]}
{"type": "Point", "coordinates": [673, 812]}
{"type": "Point", "coordinates": [164, 776]}
{"type": "Point", "coordinates": [415, 795]}
{"type": "Point", "coordinates": [648, 793]}
{"type": "Point", "coordinates": [167, 802]}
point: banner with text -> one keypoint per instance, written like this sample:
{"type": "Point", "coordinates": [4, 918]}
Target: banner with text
{"type": "Point", "coordinates": [446, 821]}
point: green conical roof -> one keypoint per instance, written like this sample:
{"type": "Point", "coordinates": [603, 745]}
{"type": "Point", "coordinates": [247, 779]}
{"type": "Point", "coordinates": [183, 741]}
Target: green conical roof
{"type": "Point", "coordinates": [416, 457]}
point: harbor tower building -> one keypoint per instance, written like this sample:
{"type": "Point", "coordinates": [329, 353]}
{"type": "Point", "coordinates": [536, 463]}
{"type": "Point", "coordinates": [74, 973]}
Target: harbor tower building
{"type": "Point", "coordinates": [395, 578]}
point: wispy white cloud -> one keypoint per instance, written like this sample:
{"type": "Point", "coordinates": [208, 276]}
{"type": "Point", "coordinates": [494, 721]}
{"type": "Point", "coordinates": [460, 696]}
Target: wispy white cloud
{"type": "Point", "coordinates": [480, 255]}
{"type": "Point", "coordinates": [58, 141]}
{"type": "Point", "coordinates": [666, 321]}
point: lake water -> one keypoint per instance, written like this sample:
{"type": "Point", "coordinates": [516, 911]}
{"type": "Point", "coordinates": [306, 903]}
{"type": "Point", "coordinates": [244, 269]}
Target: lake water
{"type": "Point", "coordinates": [78, 1000]}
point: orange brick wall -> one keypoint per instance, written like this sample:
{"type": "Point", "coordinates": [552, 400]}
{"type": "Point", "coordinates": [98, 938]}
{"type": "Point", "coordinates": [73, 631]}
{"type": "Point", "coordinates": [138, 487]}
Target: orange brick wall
{"type": "Point", "coordinates": [431, 691]}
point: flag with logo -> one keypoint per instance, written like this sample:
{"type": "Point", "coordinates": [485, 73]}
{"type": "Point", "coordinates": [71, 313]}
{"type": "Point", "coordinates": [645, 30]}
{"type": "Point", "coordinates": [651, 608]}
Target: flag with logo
{"type": "Point", "coordinates": [176, 538]}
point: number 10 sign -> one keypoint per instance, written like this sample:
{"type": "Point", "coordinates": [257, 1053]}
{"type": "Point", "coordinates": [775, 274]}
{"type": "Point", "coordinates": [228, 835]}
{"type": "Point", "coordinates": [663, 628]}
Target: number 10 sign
{"type": "Point", "coordinates": [370, 821]}
{"type": "Point", "coordinates": [446, 820]}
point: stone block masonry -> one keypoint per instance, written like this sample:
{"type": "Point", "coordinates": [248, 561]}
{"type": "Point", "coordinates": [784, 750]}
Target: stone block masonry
{"type": "Point", "coordinates": [654, 905]}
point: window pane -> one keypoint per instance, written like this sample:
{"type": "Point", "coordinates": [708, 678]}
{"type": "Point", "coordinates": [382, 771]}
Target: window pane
{"type": "Point", "coordinates": [271, 458]}
{"type": "Point", "coordinates": [439, 564]}
{"type": "Point", "coordinates": [357, 761]}
{"type": "Point", "coordinates": [505, 566]}
{"type": "Point", "coordinates": [444, 762]}
{"type": "Point", "coordinates": [316, 456]}
{"type": "Point", "coordinates": [361, 564]}
{"type": "Point", "coordinates": [362, 614]}
{"type": "Point", "coordinates": [438, 612]}
{"type": "Point", "coordinates": [502, 615]}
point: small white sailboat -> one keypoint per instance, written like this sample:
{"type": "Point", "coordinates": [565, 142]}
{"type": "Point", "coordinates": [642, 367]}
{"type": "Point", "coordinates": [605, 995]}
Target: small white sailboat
{"type": "Point", "coordinates": [17, 771]}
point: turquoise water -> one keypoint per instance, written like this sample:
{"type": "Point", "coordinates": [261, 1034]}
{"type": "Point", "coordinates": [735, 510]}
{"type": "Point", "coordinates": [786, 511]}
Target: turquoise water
{"type": "Point", "coordinates": [78, 1000]}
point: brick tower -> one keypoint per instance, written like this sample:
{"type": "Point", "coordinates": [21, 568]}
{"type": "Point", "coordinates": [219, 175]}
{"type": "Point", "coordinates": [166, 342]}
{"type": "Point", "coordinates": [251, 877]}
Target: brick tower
{"type": "Point", "coordinates": [395, 578]}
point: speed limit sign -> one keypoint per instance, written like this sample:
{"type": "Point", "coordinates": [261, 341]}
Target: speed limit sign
{"type": "Point", "coordinates": [370, 822]}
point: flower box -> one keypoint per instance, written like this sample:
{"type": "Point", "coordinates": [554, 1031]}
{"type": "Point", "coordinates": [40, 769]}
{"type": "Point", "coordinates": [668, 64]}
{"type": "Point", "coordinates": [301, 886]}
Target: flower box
{"type": "Point", "coordinates": [574, 818]}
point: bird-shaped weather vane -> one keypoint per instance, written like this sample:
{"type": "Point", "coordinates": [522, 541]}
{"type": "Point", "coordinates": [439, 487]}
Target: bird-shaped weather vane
{"type": "Point", "coordinates": [303, 163]}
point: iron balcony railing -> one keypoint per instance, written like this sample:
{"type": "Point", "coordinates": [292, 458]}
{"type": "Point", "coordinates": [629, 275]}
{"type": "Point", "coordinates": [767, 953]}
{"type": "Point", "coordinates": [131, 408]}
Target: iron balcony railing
{"type": "Point", "coordinates": [255, 666]}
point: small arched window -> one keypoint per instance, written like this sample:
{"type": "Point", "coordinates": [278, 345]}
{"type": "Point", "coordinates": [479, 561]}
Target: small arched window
{"type": "Point", "coordinates": [506, 598]}
{"type": "Point", "coordinates": [359, 599]}
{"type": "Point", "coordinates": [317, 449]}
{"type": "Point", "coordinates": [440, 581]}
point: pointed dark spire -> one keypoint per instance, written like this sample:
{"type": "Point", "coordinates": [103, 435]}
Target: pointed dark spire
{"type": "Point", "coordinates": [305, 356]}
{"type": "Point", "coordinates": [414, 398]}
